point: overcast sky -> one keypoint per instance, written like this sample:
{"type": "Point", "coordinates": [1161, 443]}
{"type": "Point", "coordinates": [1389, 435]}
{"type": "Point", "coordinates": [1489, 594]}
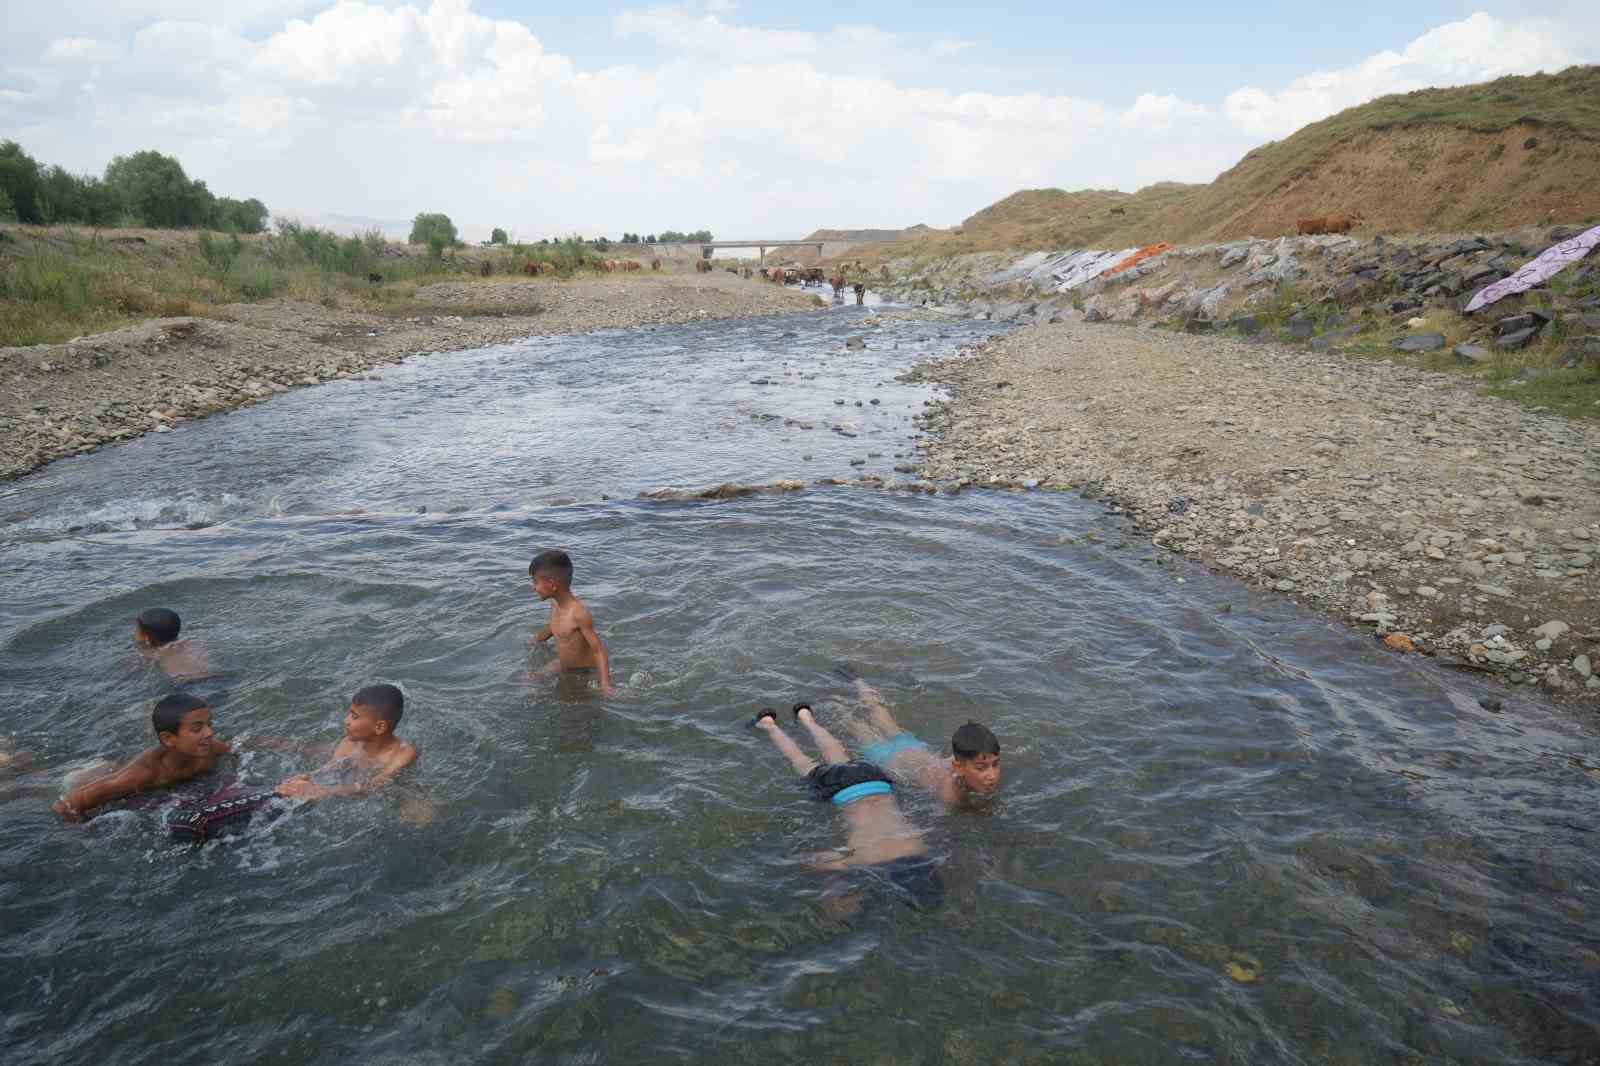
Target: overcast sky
{"type": "Point", "coordinates": [750, 119]}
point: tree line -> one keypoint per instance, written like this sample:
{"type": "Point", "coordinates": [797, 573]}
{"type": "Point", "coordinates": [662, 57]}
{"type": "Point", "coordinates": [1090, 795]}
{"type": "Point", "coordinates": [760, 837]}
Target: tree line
{"type": "Point", "coordinates": [142, 189]}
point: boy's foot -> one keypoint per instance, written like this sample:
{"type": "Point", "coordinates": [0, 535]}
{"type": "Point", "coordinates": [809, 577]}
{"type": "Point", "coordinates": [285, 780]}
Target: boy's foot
{"type": "Point", "coordinates": [803, 707]}
{"type": "Point", "coordinates": [759, 721]}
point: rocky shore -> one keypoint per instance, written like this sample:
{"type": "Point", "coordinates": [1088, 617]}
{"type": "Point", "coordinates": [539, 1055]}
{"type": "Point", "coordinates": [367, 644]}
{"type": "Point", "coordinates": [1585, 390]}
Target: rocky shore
{"type": "Point", "coordinates": [66, 399]}
{"type": "Point", "coordinates": [1396, 498]}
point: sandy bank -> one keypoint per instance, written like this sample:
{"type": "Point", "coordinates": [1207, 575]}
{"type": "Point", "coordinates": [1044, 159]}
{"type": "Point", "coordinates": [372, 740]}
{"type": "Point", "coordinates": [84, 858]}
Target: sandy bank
{"type": "Point", "coordinates": [64, 399]}
{"type": "Point", "coordinates": [1396, 498]}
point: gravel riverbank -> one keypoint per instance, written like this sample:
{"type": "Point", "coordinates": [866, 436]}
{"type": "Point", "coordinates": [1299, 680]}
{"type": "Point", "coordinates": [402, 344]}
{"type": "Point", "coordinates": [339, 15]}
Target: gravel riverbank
{"type": "Point", "coordinates": [64, 399]}
{"type": "Point", "coordinates": [1396, 498]}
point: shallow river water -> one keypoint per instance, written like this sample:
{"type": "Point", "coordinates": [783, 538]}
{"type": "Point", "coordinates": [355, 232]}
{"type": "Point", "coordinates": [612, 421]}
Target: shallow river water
{"type": "Point", "coordinates": [1229, 831]}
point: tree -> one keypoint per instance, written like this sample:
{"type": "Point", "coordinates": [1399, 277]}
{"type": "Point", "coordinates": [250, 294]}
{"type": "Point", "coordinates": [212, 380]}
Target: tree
{"type": "Point", "coordinates": [19, 180]}
{"type": "Point", "coordinates": [7, 212]}
{"type": "Point", "coordinates": [425, 228]}
{"type": "Point", "coordinates": [239, 216]}
{"type": "Point", "coordinates": [499, 236]}
{"type": "Point", "coordinates": [155, 190]}
{"type": "Point", "coordinates": [650, 239]}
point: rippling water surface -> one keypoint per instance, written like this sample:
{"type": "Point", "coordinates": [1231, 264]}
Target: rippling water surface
{"type": "Point", "coordinates": [1230, 832]}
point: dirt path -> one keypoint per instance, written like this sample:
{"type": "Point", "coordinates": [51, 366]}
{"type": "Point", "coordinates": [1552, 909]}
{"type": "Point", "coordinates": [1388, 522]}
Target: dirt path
{"type": "Point", "coordinates": [1395, 498]}
{"type": "Point", "coordinates": [64, 399]}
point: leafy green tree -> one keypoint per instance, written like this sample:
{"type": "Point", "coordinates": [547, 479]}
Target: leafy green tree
{"type": "Point", "coordinates": [154, 189]}
{"type": "Point", "coordinates": [8, 213]}
{"type": "Point", "coordinates": [19, 180]}
{"type": "Point", "coordinates": [499, 236]}
{"type": "Point", "coordinates": [426, 227]}
{"type": "Point", "coordinates": [239, 216]}
{"type": "Point", "coordinates": [650, 239]}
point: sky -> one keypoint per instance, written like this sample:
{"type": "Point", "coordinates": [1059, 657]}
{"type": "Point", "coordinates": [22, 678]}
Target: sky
{"type": "Point", "coordinates": [753, 120]}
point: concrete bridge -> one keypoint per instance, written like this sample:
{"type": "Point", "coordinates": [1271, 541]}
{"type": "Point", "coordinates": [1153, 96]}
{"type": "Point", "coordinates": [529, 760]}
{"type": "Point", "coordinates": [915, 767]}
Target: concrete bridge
{"type": "Point", "coordinates": [707, 247]}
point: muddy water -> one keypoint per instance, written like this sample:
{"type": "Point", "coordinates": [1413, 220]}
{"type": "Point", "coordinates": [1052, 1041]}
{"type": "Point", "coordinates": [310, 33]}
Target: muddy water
{"type": "Point", "coordinates": [1229, 832]}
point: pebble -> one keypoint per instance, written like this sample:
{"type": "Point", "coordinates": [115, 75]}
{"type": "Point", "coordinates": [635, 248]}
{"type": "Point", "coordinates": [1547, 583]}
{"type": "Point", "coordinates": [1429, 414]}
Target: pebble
{"type": "Point", "coordinates": [1581, 665]}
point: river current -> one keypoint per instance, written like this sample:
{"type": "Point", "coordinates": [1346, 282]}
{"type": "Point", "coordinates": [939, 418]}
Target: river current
{"type": "Point", "coordinates": [1229, 830]}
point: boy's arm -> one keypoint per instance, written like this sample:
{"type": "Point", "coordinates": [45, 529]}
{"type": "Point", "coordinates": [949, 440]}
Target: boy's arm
{"type": "Point", "coordinates": [304, 786]}
{"type": "Point", "coordinates": [543, 635]}
{"type": "Point", "coordinates": [602, 661]}
{"type": "Point", "coordinates": [76, 805]}
{"type": "Point", "coordinates": [937, 778]}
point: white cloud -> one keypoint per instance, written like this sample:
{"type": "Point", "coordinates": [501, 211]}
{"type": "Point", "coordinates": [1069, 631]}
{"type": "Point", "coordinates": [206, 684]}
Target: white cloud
{"type": "Point", "coordinates": [1478, 48]}
{"type": "Point", "coordinates": [382, 108]}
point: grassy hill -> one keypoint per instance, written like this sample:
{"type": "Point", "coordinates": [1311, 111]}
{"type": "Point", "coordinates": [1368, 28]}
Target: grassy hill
{"type": "Point", "coordinates": [1491, 156]}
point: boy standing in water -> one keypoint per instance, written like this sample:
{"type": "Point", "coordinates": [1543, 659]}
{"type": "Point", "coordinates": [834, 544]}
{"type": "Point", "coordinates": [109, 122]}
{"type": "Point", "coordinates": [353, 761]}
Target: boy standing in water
{"type": "Point", "coordinates": [155, 634]}
{"type": "Point", "coordinates": [973, 768]}
{"type": "Point", "coordinates": [578, 647]}
{"type": "Point", "coordinates": [368, 757]}
{"type": "Point", "coordinates": [881, 842]}
{"type": "Point", "coordinates": [187, 748]}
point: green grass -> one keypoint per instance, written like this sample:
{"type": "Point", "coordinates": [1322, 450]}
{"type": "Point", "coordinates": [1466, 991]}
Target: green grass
{"type": "Point", "coordinates": [56, 284]}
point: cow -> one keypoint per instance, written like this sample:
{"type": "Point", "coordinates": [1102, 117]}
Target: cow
{"type": "Point", "coordinates": [1119, 210]}
{"type": "Point", "coordinates": [778, 276]}
{"type": "Point", "coordinates": [375, 278]}
{"type": "Point", "coordinates": [631, 265]}
{"type": "Point", "coordinates": [1342, 223]}
{"type": "Point", "coordinates": [655, 264]}
{"type": "Point", "coordinates": [861, 293]}
{"type": "Point", "coordinates": [702, 266]}
{"type": "Point", "coordinates": [747, 272]}
{"type": "Point", "coordinates": [837, 281]}
{"type": "Point", "coordinates": [1307, 226]}
{"type": "Point", "coordinates": [883, 272]}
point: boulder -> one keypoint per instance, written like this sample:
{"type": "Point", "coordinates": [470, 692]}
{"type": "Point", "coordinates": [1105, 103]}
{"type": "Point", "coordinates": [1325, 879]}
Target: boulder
{"type": "Point", "coordinates": [1420, 342]}
{"type": "Point", "coordinates": [1471, 354]}
{"type": "Point", "coordinates": [1349, 291]}
{"type": "Point", "coordinates": [1534, 320]}
{"type": "Point", "coordinates": [1521, 338]}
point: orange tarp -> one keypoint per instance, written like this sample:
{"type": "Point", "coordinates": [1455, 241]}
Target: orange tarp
{"type": "Point", "coordinates": [1140, 256]}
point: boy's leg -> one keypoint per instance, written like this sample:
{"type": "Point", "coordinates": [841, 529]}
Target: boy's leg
{"type": "Point", "coordinates": [827, 743]}
{"type": "Point", "coordinates": [863, 733]}
{"type": "Point", "coordinates": [877, 709]}
{"type": "Point", "coordinates": [803, 764]}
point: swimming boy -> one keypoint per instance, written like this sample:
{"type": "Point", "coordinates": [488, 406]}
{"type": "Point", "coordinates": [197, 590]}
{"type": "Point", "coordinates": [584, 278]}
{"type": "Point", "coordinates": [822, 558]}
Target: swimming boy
{"type": "Point", "coordinates": [881, 842]}
{"type": "Point", "coordinates": [973, 768]}
{"type": "Point", "coordinates": [578, 647]}
{"type": "Point", "coordinates": [187, 748]}
{"type": "Point", "coordinates": [368, 757]}
{"type": "Point", "coordinates": [155, 634]}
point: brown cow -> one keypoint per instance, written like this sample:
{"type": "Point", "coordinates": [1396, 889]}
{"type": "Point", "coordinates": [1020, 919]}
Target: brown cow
{"type": "Point", "coordinates": [530, 268]}
{"type": "Point", "coordinates": [1343, 223]}
{"type": "Point", "coordinates": [655, 264]}
{"type": "Point", "coordinates": [837, 281]}
{"type": "Point", "coordinates": [747, 272]}
{"type": "Point", "coordinates": [778, 276]}
{"type": "Point", "coordinates": [702, 266]}
{"type": "Point", "coordinates": [1308, 226]}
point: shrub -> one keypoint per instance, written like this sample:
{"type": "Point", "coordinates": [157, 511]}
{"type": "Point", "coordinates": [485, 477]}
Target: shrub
{"type": "Point", "coordinates": [425, 228]}
{"type": "Point", "coordinates": [8, 212]}
{"type": "Point", "coordinates": [499, 236]}
{"type": "Point", "coordinates": [220, 254]}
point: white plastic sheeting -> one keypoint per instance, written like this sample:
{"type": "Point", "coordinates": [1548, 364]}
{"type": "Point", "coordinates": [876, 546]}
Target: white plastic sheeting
{"type": "Point", "coordinates": [1541, 268]}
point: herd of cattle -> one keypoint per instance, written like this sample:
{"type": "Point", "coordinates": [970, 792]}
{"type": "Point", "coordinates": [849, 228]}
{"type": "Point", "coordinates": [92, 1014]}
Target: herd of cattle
{"type": "Point", "coordinates": [778, 275]}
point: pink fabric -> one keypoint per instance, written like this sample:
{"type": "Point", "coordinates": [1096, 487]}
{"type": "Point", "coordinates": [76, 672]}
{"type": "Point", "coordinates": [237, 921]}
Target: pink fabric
{"type": "Point", "coordinates": [1548, 264]}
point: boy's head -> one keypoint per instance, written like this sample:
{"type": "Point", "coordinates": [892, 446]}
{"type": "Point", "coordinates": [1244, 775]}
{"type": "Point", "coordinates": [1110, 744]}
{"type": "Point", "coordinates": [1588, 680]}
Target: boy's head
{"type": "Point", "coordinates": [183, 723]}
{"type": "Point", "coordinates": [977, 757]}
{"type": "Point", "coordinates": [156, 626]}
{"type": "Point", "coordinates": [374, 712]}
{"type": "Point", "coordinates": [551, 573]}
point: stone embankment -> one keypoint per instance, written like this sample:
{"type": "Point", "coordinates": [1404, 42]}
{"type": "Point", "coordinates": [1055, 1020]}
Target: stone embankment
{"type": "Point", "coordinates": [1394, 497]}
{"type": "Point", "coordinates": [66, 399]}
{"type": "Point", "coordinates": [1332, 291]}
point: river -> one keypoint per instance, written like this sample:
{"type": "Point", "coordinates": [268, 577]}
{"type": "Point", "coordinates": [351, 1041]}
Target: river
{"type": "Point", "coordinates": [1230, 831]}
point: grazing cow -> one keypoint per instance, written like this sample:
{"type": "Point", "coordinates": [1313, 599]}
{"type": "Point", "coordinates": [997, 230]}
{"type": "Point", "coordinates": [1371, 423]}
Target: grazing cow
{"type": "Point", "coordinates": [702, 266]}
{"type": "Point", "coordinates": [632, 264]}
{"type": "Point", "coordinates": [1308, 226]}
{"type": "Point", "coordinates": [1119, 210]}
{"type": "Point", "coordinates": [837, 281]}
{"type": "Point", "coordinates": [529, 267]}
{"type": "Point", "coordinates": [655, 264]}
{"type": "Point", "coordinates": [1342, 223]}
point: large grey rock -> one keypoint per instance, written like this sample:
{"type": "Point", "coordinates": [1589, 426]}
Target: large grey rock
{"type": "Point", "coordinates": [1471, 354]}
{"type": "Point", "coordinates": [1519, 339]}
{"type": "Point", "coordinates": [1420, 342]}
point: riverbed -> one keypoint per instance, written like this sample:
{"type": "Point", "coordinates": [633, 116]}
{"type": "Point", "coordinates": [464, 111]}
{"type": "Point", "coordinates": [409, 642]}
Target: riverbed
{"type": "Point", "coordinates": [1229, 831]}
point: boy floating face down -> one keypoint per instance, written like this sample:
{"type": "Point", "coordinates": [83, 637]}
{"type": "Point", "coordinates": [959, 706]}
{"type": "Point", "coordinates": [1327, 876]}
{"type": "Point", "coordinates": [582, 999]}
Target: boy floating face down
{"type": "Point", "coordinates": [881, 842]}
{"type": "Point", "coordinates": [973, 769]}
{"type": "Point", "coordinates": [369, 755]}
{"type": "Point", "coordinates": [155, 634]}
{"type": "Point", "coordinates": [186, 748]}
{"type": "Point", "coordinates": [579, 649]}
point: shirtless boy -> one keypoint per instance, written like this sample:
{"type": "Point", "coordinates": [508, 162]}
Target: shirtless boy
{"type": "Point", "coordinates": [881, 842]}
{"type": "Point", "coordinates": [155, 634]}
{"type": "Point", "coordinates": [579, 648]}
{"type": "Point", "coordinates": [368, 757]}
{"type": "Point", "coordinates": [973, 768]}
{"type": "Point", "coordinates": [187, 748]}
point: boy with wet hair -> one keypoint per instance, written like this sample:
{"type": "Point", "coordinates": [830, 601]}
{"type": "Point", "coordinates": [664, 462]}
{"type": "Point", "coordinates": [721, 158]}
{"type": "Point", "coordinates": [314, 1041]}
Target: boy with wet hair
{"type": "Point", "coordinates": [369, 755]}
{"type": "Point", "coordinates": [881, 842]}
{"type": "Point", "coordinates": [187, 748]}
{"type": "Point", "coordinates": [973, 768]}
{"type": "Point", "coordinates": [155, 634]}
{"type": "Point", "coordinates": [579, 650]}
